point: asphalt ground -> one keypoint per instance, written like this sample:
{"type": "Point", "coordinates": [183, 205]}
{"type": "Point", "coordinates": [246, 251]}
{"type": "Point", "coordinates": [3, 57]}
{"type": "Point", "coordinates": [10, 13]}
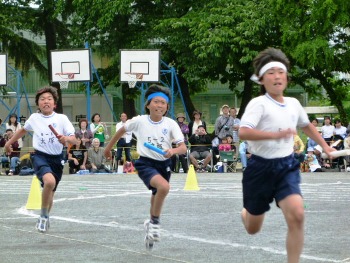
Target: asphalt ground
{"type": "Point", "coordinates": [99, 218]}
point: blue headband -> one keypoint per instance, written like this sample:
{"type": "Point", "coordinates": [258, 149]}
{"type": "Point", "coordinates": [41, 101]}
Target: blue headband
{"type": "Point", "coordinates": [158, 94]}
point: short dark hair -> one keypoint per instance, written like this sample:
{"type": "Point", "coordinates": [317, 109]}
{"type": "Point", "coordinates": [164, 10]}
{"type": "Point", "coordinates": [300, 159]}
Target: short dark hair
{"type": "Point", "coordinates": [83, 120]}
{"type": "Point", "coordinates": [266, 56]}
{"type": "Point", "coordinates": [153, 89]}
{"type": "Point", "coordinates": [47, 89]}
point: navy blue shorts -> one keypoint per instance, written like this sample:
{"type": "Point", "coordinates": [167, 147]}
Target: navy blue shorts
{"type": "Point", "coordinates": [44, 163]}
{"type": "Point", "coordinates": [147, 168]}
{"type": "Point", "coordinates": [268, 179]}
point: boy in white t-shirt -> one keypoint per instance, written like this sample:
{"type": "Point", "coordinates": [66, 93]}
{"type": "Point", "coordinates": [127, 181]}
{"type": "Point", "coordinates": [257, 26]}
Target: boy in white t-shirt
{"type": "Point", "coordinates": [47, 158]}
{"type": "Point", "coordinates": [269, 124]}
{"type": "Point", "coordinates": [154, 168]}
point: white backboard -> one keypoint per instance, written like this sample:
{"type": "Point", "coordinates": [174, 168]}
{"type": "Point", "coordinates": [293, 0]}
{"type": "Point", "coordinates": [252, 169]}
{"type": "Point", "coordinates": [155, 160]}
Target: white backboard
{"type": "Point", "coordinates": [3, 69]}
{"type": "Point", "coordinates": [145, 61]}
{"type": "Point", "coordinates": [75, 62]}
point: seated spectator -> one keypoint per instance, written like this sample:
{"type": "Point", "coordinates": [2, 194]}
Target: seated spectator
{"type": "Point", "coordinates": [318, 153]}
{"type": "Point", "coordinates": [224, 146]}
{"type": "Point", "coordinates": [299, 148]}
{"type": "Point", "coordinates": [96, 158]}
{"type": "Point", "coordinates": [13, 158]}
{"type": "Point", "coordinates": [244, 154]}
{"type": "Point", "coordinates": [312, 162]}
{"type": "Point", "coordinates": [230, 141]}
{"type": "Point", "coordinates": [77, 156]}
{"type": "Point", "coordinates": [200, 148]}
{"type": "Point", "coordinates": [327, 130]}
{"type": "Point", "coordinates": [339, 129]}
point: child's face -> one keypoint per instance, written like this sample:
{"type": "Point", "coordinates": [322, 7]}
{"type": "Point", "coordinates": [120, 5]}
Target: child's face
{"type": "Point", "coordinates": [224, 141]}
{"type": "Point", "coordinates": [229, 140]}
{"type": "Point", "coordinates": [157, 107]}
{"type": "Point", "coordinates": [275, 80]}
{"type": "Point", "coordinates": [46, 103]}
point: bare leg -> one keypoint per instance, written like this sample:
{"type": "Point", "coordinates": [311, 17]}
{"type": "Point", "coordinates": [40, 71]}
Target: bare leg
{"type": "Point", "coordinates": [157, 200]}
{"type": "Point", "coordinates": [48, 193]}
{"type": "Point", "coordinates": [251, 222]}
{"type": "Point", "coordinates": [194, 161]}
{"type": "Point", "coordinates": [293, 210]}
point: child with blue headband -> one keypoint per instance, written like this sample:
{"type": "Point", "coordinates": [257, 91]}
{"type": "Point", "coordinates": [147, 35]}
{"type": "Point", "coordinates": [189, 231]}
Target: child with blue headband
{"type": "Point", "coordinates": [153, 167]}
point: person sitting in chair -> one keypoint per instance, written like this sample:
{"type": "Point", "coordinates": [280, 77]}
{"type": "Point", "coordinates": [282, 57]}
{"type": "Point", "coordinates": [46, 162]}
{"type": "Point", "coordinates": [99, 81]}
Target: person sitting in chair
{"type": "Point", "coordinates": [77, 156]}
{"type": "Point", "coordinates": [96, 158]}
{"type": "Point", "coordinates": [13, 158]}
{"type": "Point", "coordinates": [200, 148]}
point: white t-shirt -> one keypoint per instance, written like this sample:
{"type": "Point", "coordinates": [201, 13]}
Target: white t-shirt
{"type": "Point", "coordinates": [161, 134]}
{"type": "Point", "coordinates": [266, 114]}
{"type": "Point", "coordinates": [327, 131]}
{"type": "Point", "coordinates": [340, 131]}
{"type": "Point", "coordinates": [127, 135]}
{"type": "Point", "coordinates": [44, 139]}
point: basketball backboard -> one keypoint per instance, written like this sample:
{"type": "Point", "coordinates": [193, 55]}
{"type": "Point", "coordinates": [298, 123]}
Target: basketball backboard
{"type": "Point", "coordinates": [64, 63]}
{"type": "Point", "coordinates": [3, 69]}
{"type": "Point", "coordinates": [144, 61]}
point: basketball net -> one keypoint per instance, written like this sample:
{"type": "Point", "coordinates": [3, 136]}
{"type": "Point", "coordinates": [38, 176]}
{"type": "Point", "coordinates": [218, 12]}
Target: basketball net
{"type": "Point", "coordinates": [66, 77]}
{"type": "Point", "coordinates": [135, 78]}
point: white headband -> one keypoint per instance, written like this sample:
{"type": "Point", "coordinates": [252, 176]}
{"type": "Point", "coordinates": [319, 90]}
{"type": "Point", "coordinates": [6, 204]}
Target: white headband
{"type": "Point", "coordinates": [265, 68]}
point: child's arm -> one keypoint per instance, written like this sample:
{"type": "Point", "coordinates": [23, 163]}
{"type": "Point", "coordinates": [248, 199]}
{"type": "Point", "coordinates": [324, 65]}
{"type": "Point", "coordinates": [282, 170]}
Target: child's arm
{"type": "Point", "coordinates": [19, 134]}
{"type": "Point", "coordinates": [180, 149]}
{"type": "Point", "coordinates": [250, 134]}
{"type": "Point", "coordinates": [311, 131]}
{"type": "Point", "coordinates": [112, 142]}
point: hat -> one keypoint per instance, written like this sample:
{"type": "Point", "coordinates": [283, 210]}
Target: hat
{"type": "Point", "coordinates": [318, 148]}
{"type": "Point", "coordinates": [225, 106]}
{"type": "Point", "coordinates": [310, 149]}
{"type": "Point", "coordinates": [180, 115]}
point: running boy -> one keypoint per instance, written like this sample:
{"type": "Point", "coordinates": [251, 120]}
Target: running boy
{"type": "Point", "coordinates": [154, 168]}
{"type": "Point", "coordinates": [268, 124]}
{"type": "Point", "coordinates": [48, 148]}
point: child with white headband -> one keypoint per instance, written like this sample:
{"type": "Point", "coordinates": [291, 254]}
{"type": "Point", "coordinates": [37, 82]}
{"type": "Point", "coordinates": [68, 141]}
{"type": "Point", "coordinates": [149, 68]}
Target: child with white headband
{"type": "Point", "coordinates": [268, 124]}
{"type": "Point", "coordinates": [154, 168]}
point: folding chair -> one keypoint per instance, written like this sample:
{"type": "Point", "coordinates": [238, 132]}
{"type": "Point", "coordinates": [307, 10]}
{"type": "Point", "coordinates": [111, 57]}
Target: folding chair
{"type": "Point", "coordinates": [230, 159]}
{"type": "Point", "coordinates": [200, 162]}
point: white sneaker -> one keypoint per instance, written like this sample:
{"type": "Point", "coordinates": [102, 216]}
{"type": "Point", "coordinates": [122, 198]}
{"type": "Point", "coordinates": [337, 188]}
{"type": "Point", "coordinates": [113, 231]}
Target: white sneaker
{"type": "Point", "coordinates": [152, 234]}
{"type": "Point", "coordinates": [43, 224]}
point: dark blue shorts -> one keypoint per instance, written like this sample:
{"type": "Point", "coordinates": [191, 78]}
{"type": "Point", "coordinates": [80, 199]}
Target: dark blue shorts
{"type": "Point", "coordinates": [44, 163]}
{"type": "Point", "coordinates": [147, 168]}
{"type": "Point", "coordinates": [268, 179]}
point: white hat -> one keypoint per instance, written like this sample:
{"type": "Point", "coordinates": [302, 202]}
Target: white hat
{"type": "Point", "coordinates": [310, 149]}
{"type": "Point", "coordinates": [318, 148]}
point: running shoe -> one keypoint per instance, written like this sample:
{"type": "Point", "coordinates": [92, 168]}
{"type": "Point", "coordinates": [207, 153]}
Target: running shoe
{"type": "Point", "coordinates": [43, 224]}
{"type": "Point", "coordinates": [152, 234]}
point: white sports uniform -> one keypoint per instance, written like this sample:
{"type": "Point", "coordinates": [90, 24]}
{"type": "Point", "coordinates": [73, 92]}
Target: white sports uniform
{"type": "Point", "coordinates": [161, 134]}
{"type": "Point", "coordinates": [266, 114]}
{"type": "Point", "coordinates": [44, 140]}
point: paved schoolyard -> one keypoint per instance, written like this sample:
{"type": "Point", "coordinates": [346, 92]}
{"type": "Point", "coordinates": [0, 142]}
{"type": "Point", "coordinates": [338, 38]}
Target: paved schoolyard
{"type": "Point", "coordinates": [99, 218]}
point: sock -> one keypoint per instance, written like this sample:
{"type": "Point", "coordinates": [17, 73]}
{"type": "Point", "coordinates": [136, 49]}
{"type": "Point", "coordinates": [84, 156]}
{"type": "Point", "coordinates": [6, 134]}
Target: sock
{"type": "Point", "coordinates": [44, 212]}
{"type": "Point", "coordinates": [154, 220]}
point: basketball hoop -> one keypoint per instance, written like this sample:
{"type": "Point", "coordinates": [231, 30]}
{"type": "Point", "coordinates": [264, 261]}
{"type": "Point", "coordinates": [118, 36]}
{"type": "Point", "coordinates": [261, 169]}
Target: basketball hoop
{"type": "Point", "coordinates": [135, 78]}
{"type": "Point", "coordinates": [66, 77]}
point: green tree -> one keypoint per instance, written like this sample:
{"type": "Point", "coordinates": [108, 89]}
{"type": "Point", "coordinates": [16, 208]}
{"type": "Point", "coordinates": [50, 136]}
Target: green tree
{"type": "Point", "coordinates": [316, 36]}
